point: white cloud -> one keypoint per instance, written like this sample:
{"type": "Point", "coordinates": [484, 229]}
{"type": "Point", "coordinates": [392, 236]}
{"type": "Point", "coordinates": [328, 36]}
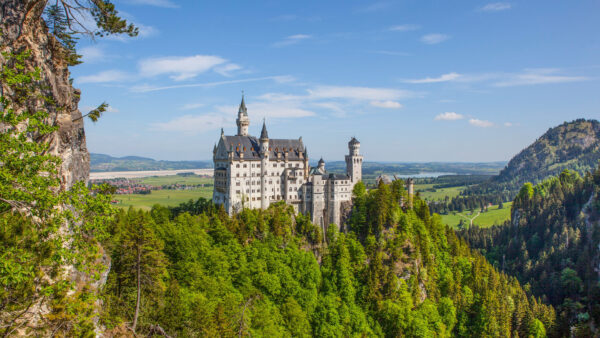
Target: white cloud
{"type": "Point", "coordinates": [278, 110]}
{"type": "Point", "coordinates": [91, 54]}
{"type": "Point", "coordinates": [190, 106]}
{"type": "Point", "coordinates": [193, 123]}
{"type": "Point", "coordinates": [105, 76]}
{"type": "Point", "coordinates": [404, 28]}
{"type": "Point", "coordinates": [292, 40]}
{"type": "Point", "coordinates": [496, 7]}
{"type": "Point", "coordinates": [432, 39]}
{"type": "Point", "coordinates": [449, 116]}
{"type": "Point", "coordinates": [442, 78]}
{"type": "Point", "coordinates": [156, 3]}
{"type": "Point", "coordinates": [180, 68]}
{"type": "Point", "coordinates": [537, 76]}
{"type": "Point", "coordinates": [227, 69]}
{"type": "Point", "coordinates": [387, 104]}
{"type": "Point", "coordinates": [508, 124]}
{"type": "Point", "coordinates": [480, 123]}
{"type": "Point", "coordinates": [359, 93]}
{"type": "Point", "coordinates": [144, 88]}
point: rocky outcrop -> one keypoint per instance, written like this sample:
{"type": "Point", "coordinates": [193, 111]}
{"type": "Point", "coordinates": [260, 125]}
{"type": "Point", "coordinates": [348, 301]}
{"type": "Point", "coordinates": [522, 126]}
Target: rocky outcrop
{"type": "Point", "coordinates": [22, 28]}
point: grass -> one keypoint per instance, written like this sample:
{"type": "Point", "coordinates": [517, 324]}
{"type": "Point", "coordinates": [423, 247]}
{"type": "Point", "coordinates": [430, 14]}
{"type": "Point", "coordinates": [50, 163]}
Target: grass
{"type": "Point", "coordinates": [176, 179]}
{"type": "Point", "coordinates": [438, 194]}
{"type": "Point", "coordinates": [491, 217]}
{"type": "Point", "coordinates": [163, 197]}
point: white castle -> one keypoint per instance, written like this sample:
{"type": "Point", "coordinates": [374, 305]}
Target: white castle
{"type": "Point", "coordinates": [254, 172]}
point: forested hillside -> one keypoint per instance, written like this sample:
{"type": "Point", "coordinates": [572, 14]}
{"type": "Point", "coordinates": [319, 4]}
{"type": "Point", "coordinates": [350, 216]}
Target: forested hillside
{"type": "Point", "coordinates": [396, 272]}
{"type": "Point", "coordinates": [551, 245]}
{"type": "Point", "coordinates": [572, 145]}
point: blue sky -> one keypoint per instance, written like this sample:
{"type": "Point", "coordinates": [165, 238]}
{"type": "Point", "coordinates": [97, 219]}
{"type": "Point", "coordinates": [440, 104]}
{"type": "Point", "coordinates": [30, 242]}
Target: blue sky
{"type": "Point", "coordinates": [412, 80]}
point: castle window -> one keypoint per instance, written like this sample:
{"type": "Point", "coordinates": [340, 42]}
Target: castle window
{"type": "Point", "coordinates": [237, 175]}
{"type": "Point", "coordinates": [245, 165]}
{"type": "Point", "coordinates": [237, 184]}
{"type": "Point", "coordinates": [237, 165]}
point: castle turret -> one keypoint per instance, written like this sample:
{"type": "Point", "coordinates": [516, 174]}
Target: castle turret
{"type": "Point", "coordinates": [305, 164]}
{"type": "Point", "coordinates": [354, 161]}
{"type": "Point", "coordinates": [264, 161]}
{"type": "Point", "coordinates": [242, 120]}
{"type": "Point", "coordinates": [321, 165]}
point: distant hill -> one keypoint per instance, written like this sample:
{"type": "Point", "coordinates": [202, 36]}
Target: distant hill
{"type": "Point", "coordinates": [572, 145]}
{"type": "Point", "coordinates": [102, 163]}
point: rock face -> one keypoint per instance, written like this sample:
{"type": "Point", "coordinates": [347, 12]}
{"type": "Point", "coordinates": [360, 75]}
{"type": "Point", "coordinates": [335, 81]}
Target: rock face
{"type": "Point", "coordinates": [22, 28]}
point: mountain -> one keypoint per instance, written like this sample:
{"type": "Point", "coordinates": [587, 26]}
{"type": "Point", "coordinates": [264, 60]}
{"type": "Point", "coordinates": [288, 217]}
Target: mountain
{"type": "Point", "coordinates": [572, 145]}
{"type": "Point", "coordinates": [102, 162]}
{"type": "Point", "coordinates": [552, 245]}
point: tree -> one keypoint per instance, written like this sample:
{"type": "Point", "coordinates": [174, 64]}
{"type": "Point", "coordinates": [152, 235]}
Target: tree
{"type": "Point", "coordinates": [142, 256]}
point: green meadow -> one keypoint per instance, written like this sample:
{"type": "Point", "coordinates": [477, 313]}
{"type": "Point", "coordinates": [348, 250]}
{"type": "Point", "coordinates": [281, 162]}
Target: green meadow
{"type": "Point", "coordinates": [438, 194]}
{"type": "Point", "coordinates": [158, 181]}
{"type": "Point", "coordinates": [493, 216]}
{"type": "Point", "coordinates": [167, 197]}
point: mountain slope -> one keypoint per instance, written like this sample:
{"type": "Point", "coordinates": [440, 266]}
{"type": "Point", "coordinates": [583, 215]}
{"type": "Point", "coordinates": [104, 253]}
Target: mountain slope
{"type": "Point", "coordinates": [572, 145]}
{"type": "Point", "coordinates": [551, 244]}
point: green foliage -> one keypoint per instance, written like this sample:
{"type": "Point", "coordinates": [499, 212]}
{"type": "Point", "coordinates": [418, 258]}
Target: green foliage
{"type": "Point", "coordinates": [396, 272]}
{"type": "Point", "coordinates": [43, 228]}
{"type": "Point", "coordinates": [551, 244]}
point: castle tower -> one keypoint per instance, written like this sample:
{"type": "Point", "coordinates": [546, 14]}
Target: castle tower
{"type": "Point", "coordinates": [264, 160]}
{"type": "Point", "coordinates": [410, 187]}
{"type": "Point", "coordinates": [321, 165]}
{"type": "Point", "coordinates": [306, 166]}
{"type": "Point", "coordinates": [354, 161]}
{"type": "Point", "coordinates": [242, 120]}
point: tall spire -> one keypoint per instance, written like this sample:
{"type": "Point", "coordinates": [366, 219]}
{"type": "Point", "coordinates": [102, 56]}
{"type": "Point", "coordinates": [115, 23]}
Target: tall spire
{"type": "Point", "coordinates": [243, 109]}
{"type": "Point", "coordinates": [263, 134]}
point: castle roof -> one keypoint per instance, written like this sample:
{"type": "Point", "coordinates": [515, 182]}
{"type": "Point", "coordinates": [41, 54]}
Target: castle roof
{"type": "Point", "coordinates": [243, 110]}
{"type": "Point", "coordinates": [263, 134]}
{"type": "Point", "coordinates": [250, 147]}
{"type": "Point", "coordinates": [354, 141]}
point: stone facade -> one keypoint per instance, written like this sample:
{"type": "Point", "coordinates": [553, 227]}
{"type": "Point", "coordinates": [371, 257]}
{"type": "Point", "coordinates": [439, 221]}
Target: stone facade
{"type": "Point", "coordinates": [254, 172]}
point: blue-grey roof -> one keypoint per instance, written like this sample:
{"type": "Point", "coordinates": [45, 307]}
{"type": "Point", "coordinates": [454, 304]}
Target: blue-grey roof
{"type": "Point", "coordinates": [250, 147]}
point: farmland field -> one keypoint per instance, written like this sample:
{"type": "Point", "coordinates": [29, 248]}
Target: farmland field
{"type": "Point", "coordinates": [163, 197]}
{"type": "Point", "coordinates": [158, 181]}
{"type": "Point", "coordinates": [486, 219]}
{"type": "Point", "coordinates": [438, 194]}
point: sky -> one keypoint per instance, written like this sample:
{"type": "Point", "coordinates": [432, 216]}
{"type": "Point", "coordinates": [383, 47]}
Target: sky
{"type": "Point", "coordinates": [412, 80]}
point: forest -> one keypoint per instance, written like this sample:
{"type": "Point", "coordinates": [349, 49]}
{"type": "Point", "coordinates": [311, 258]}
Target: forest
{"type": "Point", "coordinates": [397, 271]}
{"type": "Point", "coordinates": [551, 245]}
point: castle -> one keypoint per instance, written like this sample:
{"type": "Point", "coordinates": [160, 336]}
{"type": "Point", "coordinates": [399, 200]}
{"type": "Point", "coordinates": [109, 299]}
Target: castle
{"type": "Point", "coordinates": [254, 172]}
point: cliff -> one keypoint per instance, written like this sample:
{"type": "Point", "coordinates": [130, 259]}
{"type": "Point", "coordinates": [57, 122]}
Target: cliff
{"type": "Point", "coordinates": [22, 28]}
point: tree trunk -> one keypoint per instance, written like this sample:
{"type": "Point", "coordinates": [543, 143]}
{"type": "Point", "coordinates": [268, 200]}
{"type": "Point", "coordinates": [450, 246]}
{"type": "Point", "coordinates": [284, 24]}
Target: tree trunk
{"type": "Point", "coordinates": [139, 290]}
